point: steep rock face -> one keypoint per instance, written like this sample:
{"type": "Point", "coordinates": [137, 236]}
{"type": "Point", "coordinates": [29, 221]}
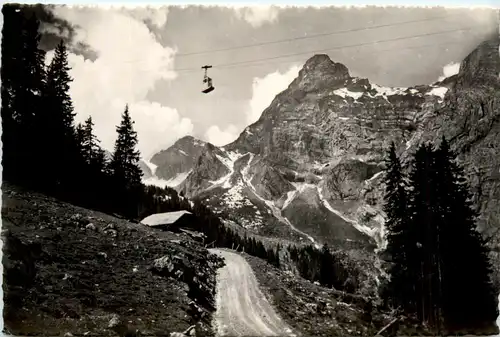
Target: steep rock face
{"type": "Point", "coordinates": [470, 119]}
{"type": "Point", "coordinates": [178, 159]}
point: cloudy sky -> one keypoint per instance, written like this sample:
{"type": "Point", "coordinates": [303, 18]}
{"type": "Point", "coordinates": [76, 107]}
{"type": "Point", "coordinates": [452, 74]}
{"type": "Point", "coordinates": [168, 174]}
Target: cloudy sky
{"type": "Point", "coordinates": [151, 58]}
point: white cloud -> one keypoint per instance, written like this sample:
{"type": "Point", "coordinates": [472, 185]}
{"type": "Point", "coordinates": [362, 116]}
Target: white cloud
{"type": "Point", "coordinates": [257, 15]}
{"type": "Point", "coordinates": [130, 61]}
{"type": "Point", "coordinates": [449, 70]}
{"type": "Point", "coordinates": [220, 137]}
{"type": "Point", "coordinates": [157, 16]}
{"type": "Point", "coordinates": [265, 89]}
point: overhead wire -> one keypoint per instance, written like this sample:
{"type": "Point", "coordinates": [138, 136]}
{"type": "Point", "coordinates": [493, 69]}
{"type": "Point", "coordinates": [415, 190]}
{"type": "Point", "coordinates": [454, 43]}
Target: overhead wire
{"type": "Point", "coordinates": [312, 36]}
{"type": "Point", "coordinates": [260, 63]}
{"type": "Point", "coordinates": [180, 55]}
{"type": "Point", "coordinates": [242, 63]}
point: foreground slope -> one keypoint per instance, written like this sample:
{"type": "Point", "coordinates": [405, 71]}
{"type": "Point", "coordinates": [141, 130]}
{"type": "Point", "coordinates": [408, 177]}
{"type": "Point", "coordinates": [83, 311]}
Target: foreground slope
{"type": "Point", "coordinates": [70, 269]}
{"type": "Point", "coordinates": [242, 309]}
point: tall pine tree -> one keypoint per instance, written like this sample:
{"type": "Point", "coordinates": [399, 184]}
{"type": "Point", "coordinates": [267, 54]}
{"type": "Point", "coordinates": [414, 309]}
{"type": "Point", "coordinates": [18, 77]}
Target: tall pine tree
{"type": "Point", "coordinates": [399, 290]}
{"type": "Point", "coordinates": [95, 177]}
{"type": "Point", "coordinates": [92, 152]}
{"type": "Point", "coordinates": [469, 300]}
{"type": "Point", "coordinates": [441, 268]}
{"type": "Point", "coordinates": [424, 227]}
{"type": "Point", "coordinates": [125, 166]}
{"type": "Point", "coordinates": [56, 126]}
{"type": "Point", "coordinates": [23, 77]}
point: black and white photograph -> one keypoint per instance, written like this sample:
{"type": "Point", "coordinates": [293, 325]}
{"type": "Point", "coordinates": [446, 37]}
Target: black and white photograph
{"type": "Point", "coordinates": [250, 171]}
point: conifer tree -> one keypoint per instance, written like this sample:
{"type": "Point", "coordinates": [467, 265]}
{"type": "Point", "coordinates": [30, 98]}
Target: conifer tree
{"type": "Point", "coordinates": [56, 124]}
{"type": "Point", "coordinates": [11, 64]}
{"type": "Point", "coordinates": [469, 299]}
{"type": "Point", "coordinates": [96, 178]}
{"type": "Point", "coordinates": [397, 222]}
{"type": "Point", "coordinates": [125, 165]}
{"type": "Point", "coordinates": [23, 77]}
{"type": "Point", "coordinates": [326, 267]}
{"type": "Point", "coordinates": [92, 152]}
{"type": "Point", "coordinates": [443, 259]}
{"type": "Point", "coordinates": [79, 133]}
{"type": "Point", "coordinates": [424, 228]}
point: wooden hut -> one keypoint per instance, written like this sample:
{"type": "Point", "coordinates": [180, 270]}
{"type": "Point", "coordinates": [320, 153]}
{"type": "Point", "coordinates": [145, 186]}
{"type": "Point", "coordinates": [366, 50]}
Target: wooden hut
{"type": "Point", "coordinates": [170, 221]}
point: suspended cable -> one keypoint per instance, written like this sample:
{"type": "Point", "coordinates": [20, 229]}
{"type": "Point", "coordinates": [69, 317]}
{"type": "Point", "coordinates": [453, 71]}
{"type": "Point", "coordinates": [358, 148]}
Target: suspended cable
{"type": "Point", "coordinates": [298, 38]}
{"type": "Point", "coordinates": [260, 63]}
{"type": "Point", "coordinates": [239, 63]}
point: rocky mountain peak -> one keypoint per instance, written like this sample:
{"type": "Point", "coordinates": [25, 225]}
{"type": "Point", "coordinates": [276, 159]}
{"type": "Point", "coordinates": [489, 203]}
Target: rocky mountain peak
{"type": "Point", "coordinates": [176, 161]}
{"type": "Point", "coordinates": [321, 72]}
{"type": "Point", "coordinates": [322, 63]}
{"type": "Point", "coordinates": [187, 141]}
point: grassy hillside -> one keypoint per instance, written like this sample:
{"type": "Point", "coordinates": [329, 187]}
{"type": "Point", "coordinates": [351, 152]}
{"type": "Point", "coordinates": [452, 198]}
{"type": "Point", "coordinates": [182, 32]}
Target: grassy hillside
{"type": "Point", "coordinates": [69, 269]}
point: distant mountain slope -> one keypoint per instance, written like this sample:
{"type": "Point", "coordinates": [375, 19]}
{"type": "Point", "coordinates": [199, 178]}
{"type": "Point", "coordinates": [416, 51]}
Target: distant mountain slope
{"type": "Point", "coordinates": [177, 159]}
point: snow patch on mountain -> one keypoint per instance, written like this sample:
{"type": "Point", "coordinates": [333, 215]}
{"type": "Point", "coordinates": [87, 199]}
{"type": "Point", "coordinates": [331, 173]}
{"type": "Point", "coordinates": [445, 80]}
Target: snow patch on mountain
{"type": "Point", "coordinates": [387, 91]}
{"type": "Point", "coordinates": [376, 217]}
{"type": "Point", "coordinates": [178, 179]}
{"type": "Point", "coordinates": [174, 182]}
{"type": "Point", "coordinates": [343, 92]}
{"type": "Point", "coordinates": [151, 166]}
{"type": "Point", "coordinates": [375, 176]}
{"type": "Point", "coordinates": [228, 161]}
{"type": "Point", "coordinates": [438, 91]}
{"type": "Point", "coordinates": [235, 198]}
{"type": "Point", "coordinates": [290, 196]}
{"type": "Point", "coordinates": [270, 204]}
{"type": "Point", "coordinates": [371, 232]}
{"type": "Point", "coordinates": [381, 91]}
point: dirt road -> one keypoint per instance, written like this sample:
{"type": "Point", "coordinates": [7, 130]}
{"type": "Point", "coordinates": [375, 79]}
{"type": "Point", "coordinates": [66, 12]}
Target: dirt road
{"type": "Point", "coordinates": [242, 309]}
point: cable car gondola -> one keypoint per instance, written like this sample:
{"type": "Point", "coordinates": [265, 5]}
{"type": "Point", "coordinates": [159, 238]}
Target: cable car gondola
{"type": "Point", "coordinates": [208, 81]}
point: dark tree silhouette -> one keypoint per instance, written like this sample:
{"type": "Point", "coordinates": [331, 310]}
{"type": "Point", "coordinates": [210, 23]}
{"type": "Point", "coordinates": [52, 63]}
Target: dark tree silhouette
{"type": "Point", "coordinates": [396, 209]}
{"type": "Point", "coordinates": [441, 271]}
{"type": "Point", "coordinates": [23, 78]}
{"type": "Point", "coordinates": [469, 299]}
{"type": "Point", "coordinates": [125, 167]}
{"type": "Point", "coordinates": [95, 177]}
{"type": "Point", "coordinates": [56, 126]}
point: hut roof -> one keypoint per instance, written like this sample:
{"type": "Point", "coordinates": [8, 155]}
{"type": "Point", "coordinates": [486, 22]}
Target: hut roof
{"type": "Point", "coordinates": [167, 218]}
